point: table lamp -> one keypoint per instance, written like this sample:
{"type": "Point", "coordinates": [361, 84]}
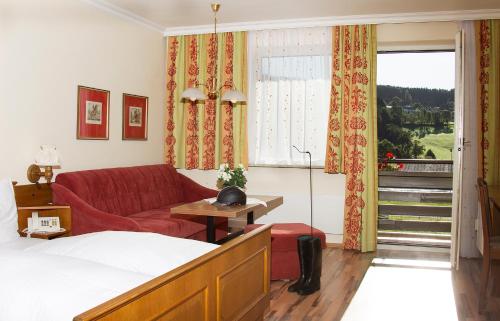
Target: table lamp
{"type": "Point", "coordinates": [47, 157]}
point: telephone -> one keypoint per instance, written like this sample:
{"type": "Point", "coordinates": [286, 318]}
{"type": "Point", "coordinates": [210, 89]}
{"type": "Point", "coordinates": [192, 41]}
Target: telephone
{"type": "Point", "coordinates": [42, 224]}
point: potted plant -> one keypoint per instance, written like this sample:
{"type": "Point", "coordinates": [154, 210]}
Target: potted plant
{"type": "Point", "coordinates": [231, 177]}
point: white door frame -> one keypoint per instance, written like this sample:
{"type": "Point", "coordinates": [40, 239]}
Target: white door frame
{"type": "Point", "coordinates": [458, 151]}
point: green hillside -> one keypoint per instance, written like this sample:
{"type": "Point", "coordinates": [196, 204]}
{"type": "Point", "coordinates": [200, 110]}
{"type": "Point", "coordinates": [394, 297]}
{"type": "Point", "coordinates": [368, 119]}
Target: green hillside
{"type": "Point", "coordinates": [413, 120]}
{"type": "Point", "coordinates": [439, 143]}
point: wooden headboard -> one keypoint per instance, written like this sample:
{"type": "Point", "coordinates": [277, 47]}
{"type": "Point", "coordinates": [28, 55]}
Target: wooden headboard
{"type": "Point", "coordinates": [33, 195]}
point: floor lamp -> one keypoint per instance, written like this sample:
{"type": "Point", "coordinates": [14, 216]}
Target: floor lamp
{"type": "Point", "coordinates": [310, 251]}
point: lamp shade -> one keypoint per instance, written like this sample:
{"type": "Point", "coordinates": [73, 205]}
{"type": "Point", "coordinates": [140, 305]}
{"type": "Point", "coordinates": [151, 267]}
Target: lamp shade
{"type": "Point", "coordinates": [193, 94]}
{"type": "Point", "coordinates": [47, 156]}
{"type": "Point", "coordinates": [234, 96]}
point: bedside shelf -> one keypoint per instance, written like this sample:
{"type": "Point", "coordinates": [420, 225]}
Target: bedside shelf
{"type": "Point", "coordinates": [63, 212]}
{"type": "Point", "coordinates": [47, 235]}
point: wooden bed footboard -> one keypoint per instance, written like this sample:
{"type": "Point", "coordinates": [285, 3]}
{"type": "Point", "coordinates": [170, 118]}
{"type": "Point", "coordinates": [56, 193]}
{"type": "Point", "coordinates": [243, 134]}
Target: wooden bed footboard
{"type": "Point", "coordinates": [230, 283]}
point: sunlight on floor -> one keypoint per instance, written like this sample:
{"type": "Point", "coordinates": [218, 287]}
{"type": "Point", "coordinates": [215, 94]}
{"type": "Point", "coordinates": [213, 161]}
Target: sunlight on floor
{"type": "Point", "coordinates": [400, 289]}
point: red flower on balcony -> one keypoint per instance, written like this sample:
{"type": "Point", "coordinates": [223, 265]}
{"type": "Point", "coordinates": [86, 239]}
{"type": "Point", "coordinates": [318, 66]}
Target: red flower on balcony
{"type": "Point", "coordinates": [385, 165]}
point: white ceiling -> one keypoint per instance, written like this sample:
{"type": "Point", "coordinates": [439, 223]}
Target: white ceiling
{"type": "Point", "coordinates": [188, 13]}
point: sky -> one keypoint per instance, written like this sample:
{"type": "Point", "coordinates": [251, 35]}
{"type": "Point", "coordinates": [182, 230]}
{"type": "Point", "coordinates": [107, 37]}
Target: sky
{"type": "Point", "coordinates": [425, 70]}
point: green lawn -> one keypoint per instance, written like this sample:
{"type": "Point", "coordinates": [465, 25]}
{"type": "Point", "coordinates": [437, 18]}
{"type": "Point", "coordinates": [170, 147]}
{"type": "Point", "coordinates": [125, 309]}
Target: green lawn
{"type": "Point", "coordinates": [439, 143]}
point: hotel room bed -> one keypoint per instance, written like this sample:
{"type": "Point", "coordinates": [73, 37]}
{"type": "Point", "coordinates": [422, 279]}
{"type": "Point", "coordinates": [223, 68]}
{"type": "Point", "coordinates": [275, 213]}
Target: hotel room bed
{"type": "Point", "coordinates": [59, 279]}
{"type": "Point", "coordinates": [134, 276]}
{"type": "Point", "coordinates": [128, 276]}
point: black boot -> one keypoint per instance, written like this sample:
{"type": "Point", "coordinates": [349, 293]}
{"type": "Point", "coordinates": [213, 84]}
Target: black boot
{"type": "Point", "coordinates": [303, 247]}
{"type": "Point", "coordinates": [313, 279]}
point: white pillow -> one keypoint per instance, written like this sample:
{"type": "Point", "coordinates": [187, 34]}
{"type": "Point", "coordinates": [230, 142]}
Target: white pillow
{"type": "Point", "coordinates": [8, 212]}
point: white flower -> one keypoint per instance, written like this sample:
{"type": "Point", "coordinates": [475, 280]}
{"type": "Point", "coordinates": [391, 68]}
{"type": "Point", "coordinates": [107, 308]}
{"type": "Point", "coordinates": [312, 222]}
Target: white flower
{"type": "Point", "coordinates": [226, 177]}
{"type": "Point", "coordinates": [245, 173]}
{"type": "Point", "coordinates": [241, 166]}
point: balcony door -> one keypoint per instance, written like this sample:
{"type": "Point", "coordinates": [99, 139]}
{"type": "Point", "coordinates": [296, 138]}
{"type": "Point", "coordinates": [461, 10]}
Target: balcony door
{"type": "Point", "coordinates": [417, 140]}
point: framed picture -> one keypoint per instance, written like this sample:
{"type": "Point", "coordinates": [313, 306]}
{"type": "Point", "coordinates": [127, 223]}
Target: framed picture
{"type": "Point", "coordinates": [92, 113]}
{"type": "Point", "coordinates": [135, 117]}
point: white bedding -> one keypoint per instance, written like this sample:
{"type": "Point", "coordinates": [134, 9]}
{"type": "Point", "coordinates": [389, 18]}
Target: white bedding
{"type": "Point", "coordinates": [147, 253]}
{"type": "Point", "coordinates": [21, 243]}
{"type": "Point", "coordinates": [59, 279]}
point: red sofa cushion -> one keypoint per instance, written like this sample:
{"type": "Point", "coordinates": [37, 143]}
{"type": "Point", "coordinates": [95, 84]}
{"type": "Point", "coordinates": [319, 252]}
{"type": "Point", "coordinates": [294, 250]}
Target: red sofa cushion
{"type": "Point", "coordinates": [159, 221]}
{"type": "Point", "coordinates": [127, 190]}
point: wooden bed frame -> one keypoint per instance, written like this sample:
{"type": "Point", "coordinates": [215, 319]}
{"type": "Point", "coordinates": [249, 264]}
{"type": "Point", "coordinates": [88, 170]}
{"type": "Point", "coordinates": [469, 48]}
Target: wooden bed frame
{"type": "Point", "coordinates": [230, 283]}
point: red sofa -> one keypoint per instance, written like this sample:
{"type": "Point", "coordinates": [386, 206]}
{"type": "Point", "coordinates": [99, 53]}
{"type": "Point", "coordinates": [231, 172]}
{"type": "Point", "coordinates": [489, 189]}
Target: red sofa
{"type": "Point", "coordinates": [133, 199]}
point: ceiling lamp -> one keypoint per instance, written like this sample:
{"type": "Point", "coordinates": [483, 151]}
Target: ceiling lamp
{"type": "Point", "coordinates": [194, 93]}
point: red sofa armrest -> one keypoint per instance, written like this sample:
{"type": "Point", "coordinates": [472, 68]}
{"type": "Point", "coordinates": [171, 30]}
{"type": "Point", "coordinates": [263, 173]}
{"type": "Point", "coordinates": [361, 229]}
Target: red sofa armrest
{"type": "Point", "coordinates": [86, 218]}
{"type": "Point", "coordinates": [193, 191]}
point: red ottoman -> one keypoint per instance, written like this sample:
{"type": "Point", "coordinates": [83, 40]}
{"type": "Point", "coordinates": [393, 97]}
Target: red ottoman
{"type": "Point", "coordinates": [284, 256]}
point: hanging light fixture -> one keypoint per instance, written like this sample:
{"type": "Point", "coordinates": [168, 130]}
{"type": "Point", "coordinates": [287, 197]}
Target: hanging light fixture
{"type": "Point", "coordinates": [195, 93]}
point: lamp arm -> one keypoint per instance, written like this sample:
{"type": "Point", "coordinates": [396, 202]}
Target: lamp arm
{"type": "Point", "coordinates": [227, 84]}
{"type": "Point", "coordinates": [197, 83]}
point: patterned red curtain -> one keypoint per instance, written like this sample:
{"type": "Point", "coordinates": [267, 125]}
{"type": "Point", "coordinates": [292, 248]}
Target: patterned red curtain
{"type": "Point", "coordinates": [205, 134]}
{"type": "Point", "coordinates": [352, 131]}
{"type": "Point", "coordinates": [488, 66]}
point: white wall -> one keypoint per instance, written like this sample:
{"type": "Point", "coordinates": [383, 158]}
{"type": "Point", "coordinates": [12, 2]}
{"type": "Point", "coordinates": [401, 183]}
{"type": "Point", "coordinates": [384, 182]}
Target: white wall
{"type": "Point", "coordinates": [416, 36]}
{"type": "Point", "coordinates": [47, 49]}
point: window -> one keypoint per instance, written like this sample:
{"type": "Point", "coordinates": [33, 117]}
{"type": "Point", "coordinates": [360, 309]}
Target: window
{"type": "Point", "coordinates": [416, 103]}
{"type": "Point", "coordinates": [290, 90]}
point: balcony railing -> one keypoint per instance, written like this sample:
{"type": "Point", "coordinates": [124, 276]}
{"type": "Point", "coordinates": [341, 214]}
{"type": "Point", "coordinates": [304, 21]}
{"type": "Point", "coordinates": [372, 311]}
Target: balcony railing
{"type": "Point", "coordinates": [415, 203]}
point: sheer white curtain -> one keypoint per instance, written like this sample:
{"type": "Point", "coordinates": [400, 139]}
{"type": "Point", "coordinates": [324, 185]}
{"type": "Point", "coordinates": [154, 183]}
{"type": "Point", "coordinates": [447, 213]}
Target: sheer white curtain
{"type": "Point", "coordinates": [290, 76]}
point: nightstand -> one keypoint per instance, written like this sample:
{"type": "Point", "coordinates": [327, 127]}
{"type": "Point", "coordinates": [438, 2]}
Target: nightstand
{"type": "Point", "coordinates": [63, 212]}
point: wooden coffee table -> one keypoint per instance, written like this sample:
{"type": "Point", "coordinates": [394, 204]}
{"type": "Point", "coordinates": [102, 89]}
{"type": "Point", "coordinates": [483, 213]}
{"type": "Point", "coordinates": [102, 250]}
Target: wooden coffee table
{"type": "Point", "coordinates": [252, 212]}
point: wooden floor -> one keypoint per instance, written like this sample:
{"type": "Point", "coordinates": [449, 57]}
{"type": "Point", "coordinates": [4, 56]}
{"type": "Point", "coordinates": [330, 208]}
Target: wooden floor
{"type": "Point", "coordinates": [466, 285]}
{"type": "Point", "coordinates": [343, 271]}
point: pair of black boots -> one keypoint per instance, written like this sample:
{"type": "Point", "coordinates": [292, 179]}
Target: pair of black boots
{"type": "Point", "coordinates": [310, 265]}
